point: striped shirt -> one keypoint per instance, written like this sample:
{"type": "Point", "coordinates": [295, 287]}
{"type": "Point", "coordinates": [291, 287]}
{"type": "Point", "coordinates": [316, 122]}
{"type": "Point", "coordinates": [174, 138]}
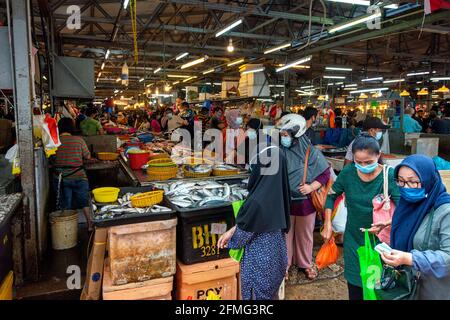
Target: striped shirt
{"type": "Point", "coordinates": [70, 154]}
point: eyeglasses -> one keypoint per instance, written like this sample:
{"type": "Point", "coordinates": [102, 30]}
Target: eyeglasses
{"type": "Point", "coordinates": [410, 184]}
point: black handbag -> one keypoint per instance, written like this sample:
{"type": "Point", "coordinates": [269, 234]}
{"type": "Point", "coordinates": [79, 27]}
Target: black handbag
{"type": "Point", "coordinates": [402, 282]}
{"type": "Point", "coordinates": [399, 283]}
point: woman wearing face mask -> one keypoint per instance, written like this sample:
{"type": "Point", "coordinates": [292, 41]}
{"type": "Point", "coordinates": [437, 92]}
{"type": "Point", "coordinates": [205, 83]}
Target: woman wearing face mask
{"type": "Point", "coordinates": [420, 233]}
{"type": "Point", "coordinates": [233, 134]}
{"type": "Point", "coordinates": [361, 181]}
{"type": "Point", "coordinates": [261, 225]}
{"type": "Point", "coordinates": [303, 214]}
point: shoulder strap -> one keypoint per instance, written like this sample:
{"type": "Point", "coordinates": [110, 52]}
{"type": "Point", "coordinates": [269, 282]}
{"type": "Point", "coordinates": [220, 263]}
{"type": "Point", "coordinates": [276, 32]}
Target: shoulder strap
{"type": "Point", "coordinates": [426, 239]}
{"type": "Point", "coordinates": [305, 168]}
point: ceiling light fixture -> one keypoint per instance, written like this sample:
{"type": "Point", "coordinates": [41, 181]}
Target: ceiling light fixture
{"type": "Point", "coordinates": [103, 65]}
{"type": "Point", "coordinates": [443, 89]}
{"type": "Point", "coordinates": [228, 28]}
{"type": "Point", "coordinates": [125, 4]}
{"type": "Point", "coordinates": [230, 47]}
{"type": "Point", "coordinates": [423, 92]}
{"type": "Point", "coordinates": [333, 77]}
{"type": "Point", "coordinates": [354, 22]}
{"type": "Point", "coordinates": [282, 46]}
{"type": "Point", "coordinates": [393, 80]}
{"type": "Point", "coordinates": [107, 54]}
{"type": "Point", "coordinates": [118, 79]}
{"type": "Point", "coordinates": [178, 76]}
{"type": "Point", "coordinates": [372, 79]}
{"type": "Point", "coordinates": [235, 62]}
{"type": "Point", "coordinates": [338, 69]}
{"type": "Point", "coordinates": [350, 85]}
{"type": "Point", "coordinates": [190, 78]}
{"type": "Point", "coordinates": [440, 78]}
{"type": "Point", "coordinates": [141, 79]}
{"type": "Point", "coordinates": [363, 3]}
{"type": "Point", "coordinates": [404, 93]}
{"type": "Point", "coordinates": [157, 70]}
{"type": "Point", "coordinates": [176, 82]}
{"type": "Point", "coordinates": [194, 62]}
{"type": "Point", "coordinates": [181, 56]}
{"type": "Point", "coordinates": [369, 90]}
{"type": "Point", "coordinates": [418, 73]}
{"type": "Point", "coordinates": [306, 87]}
{"type": "Point", "coordinates": [295, 63]}
{"type": "Point", "coordinates": [253, 71]}
{"type": "Point", "coordinates": [208, 71]}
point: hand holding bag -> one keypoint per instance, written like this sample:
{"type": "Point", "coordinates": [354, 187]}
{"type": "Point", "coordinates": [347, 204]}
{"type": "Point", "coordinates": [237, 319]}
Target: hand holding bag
{"type": "Point", "coordinates": [383, 208]}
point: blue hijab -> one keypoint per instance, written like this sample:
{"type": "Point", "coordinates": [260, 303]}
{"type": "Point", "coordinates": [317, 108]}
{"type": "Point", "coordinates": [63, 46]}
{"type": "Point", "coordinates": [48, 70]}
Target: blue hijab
{"type": "Point", "coordinates": [408, 216]}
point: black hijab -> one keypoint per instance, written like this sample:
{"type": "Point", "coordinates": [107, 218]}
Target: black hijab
{"type": "Point", "coordinates": [267, 207]}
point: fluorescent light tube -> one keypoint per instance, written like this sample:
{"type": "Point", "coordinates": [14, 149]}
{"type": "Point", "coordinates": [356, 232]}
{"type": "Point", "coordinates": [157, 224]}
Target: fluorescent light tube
{"type": "Point", "coordinates": [393, 80]}
{"type": "Point", "coordinates": [125, 4]}
{"type": "Point", "coordinates": [190, 78]}
{"type": "Point", "coordinates": [228, 28]}
{"type": "Point", "coordinates": [157, 70]}
{"type": "Point", "coordinates": [235, 62]}
{"type": "Point", "coordinates": [306, 87]}
{"type": "Point", "coordinates": [338, 69]}
{"type": "Point", "coordinates": [369, 90]}
{"type": "Point", "coordinates": [333, 77]}
{"type": "Point", "coordinates": [417, 73]}
{"type": "Point", "coordinates": [178, 76]}
{"type": "Point", "coordinates": [350, 85]}
{"type": "Point", "coordinates": [293, 64]}
{"type": "Point", "coordinates": [103, 65]}
{"type": "Point", "coordinates": [176, 82]}
{"type": "Point", "coordinates": [282, 46]}
{"type": "Point", "coordinates": [107, 54]}
{"type": "Point", "coordinates": [354, 22]}
{"type": "Point", "coordinates": [276, 86]}
{"type": "Point", "coordinates": [194, 62]}
{"type": "Point", "coordinates": [181, 56]}
{"type": "Point", "coordinates": [440, 78]}
{"type": "Point", "coordinates": [141, 79]}
{"type": "Point", "coordinates": [363, 3]}
{"type": "Point", "coordinates": [372, 79]}
{"type": "Point", "coordinates": [208, 71]}
{"type": "Point", "coordinates": [253, 71]}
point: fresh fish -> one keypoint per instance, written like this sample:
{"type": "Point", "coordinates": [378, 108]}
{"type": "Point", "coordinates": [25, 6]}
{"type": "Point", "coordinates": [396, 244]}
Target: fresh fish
{"type": "Point", "coordinates": [224, 167]}
{"type": "Point", "coordinates": [209, 199]}
{"type": "Point", "coordinates": [182, 203]}
{"type": "Point", "coordinates": [157, 208]}
{"type": "Point", "coordinates": [108, 208]}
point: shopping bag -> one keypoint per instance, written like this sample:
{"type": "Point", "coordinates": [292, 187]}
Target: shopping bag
{"type": "Point", "coordinates": [370, 265]}
{"type": "Point", "coordinates": [236, 254]}
{"type": "Point", "coordinates": [327, 255]}
{"type": "Point", "coordinates": [383, 208]}
{"type": "Point", "coordinates": [339, 215]}
{"type": "Point", "coordinates": [12, 155]}
{"type": "Point", "coordinates": [50, 135]}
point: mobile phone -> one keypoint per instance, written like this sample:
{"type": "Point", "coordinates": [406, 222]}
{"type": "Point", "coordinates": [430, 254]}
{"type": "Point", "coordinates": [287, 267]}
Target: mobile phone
{"type": "Point", "coordinates": [383, 248]}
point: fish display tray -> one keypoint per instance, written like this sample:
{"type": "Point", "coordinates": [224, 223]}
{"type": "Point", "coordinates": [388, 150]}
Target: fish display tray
{"type": "Point", "coordinates": [136, 217]}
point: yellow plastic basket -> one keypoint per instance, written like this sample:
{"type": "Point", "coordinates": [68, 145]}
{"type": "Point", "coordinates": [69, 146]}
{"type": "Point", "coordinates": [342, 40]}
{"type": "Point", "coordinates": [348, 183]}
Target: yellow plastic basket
{"type": "Point", "coordinates": [107, 156]}
{"type": "Point", "coordinates": [6, 288]}
{"type": "Point", "coordinates": [106, 194]}
{"type": "Point", "coordinates": [162, 162]}
{"type": "Point", "coordinates": [222, 173]}
{"type": "Point", "coordinates": [189, 174]}
{"type": "Point", "coordinates": [156, 156]}
{"type": "Point", "coordinates": [147, 199]}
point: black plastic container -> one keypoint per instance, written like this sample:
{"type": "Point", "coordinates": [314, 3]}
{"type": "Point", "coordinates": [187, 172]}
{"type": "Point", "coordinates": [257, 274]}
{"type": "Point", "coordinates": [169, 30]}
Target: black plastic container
{"type": "Point", "coordinates": [138, 217]}
{"type": "Point", "coordinates": [195, 243]}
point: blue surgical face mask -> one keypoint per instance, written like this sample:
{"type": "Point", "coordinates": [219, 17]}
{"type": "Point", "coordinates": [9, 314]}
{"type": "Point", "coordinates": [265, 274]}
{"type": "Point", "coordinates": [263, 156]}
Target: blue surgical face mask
{"type": "Point", "coordinates": [412, 194]}
{"type": "Point", "coordinates": [286, 141]}
{"type": "Point", "coordinates": [238, 120]}
{"type": "Point", "coordinates": [251, 134]}
{"type": "Point", "coordinates": [379, 135]}
{"type": "Point", "coordinates": [367, 169]}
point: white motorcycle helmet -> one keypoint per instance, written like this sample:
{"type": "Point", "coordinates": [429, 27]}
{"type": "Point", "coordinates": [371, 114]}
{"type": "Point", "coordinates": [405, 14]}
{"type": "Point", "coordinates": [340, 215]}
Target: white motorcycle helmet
{"type": "Point", "coordinates": [294, 123]}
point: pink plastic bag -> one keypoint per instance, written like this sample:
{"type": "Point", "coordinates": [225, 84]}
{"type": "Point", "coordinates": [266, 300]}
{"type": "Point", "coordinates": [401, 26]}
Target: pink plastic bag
{"type": "Point", "coordinates": [383, 209]}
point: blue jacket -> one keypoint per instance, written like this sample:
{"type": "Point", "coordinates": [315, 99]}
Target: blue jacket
{"type": "Point", "coordinates": [410, 125]}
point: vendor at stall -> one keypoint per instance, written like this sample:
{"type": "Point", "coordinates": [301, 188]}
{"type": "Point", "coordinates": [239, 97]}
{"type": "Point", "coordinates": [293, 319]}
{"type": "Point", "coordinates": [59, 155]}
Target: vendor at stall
{"type": "Point", "coordinates": [310, 115]}
{"type": "Point", "coordinates": [73, 190]}
{"type": "Point", "coordinates": [442, 126]}
{"type": "Point", "coordinates": [374, 127]}
{"type": "Point", "coordinates": [121, 119]}
{"type": "Point", "coordinates": [409, 124]}
{"type": "Point", "coordinates": [90, 126]}
{"type": "Point", "coordinates": [216, 120]}
{"type": "Point", "coordinates": [187, 115]}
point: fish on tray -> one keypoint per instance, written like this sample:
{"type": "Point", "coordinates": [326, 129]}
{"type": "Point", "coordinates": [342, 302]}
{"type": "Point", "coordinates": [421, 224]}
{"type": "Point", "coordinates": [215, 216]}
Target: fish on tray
{"type": "Point", "coordinates": [198, 168]}
{"type": "Point", "coordinates": [202, 193]}
{"type": "Point", "coordinates": [224, 167]}
{"type": "Point", "coordinates": [124, 207]}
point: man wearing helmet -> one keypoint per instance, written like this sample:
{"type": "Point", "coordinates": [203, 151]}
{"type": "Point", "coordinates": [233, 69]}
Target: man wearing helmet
{"type": "Point", "coordinates": [295, 145]}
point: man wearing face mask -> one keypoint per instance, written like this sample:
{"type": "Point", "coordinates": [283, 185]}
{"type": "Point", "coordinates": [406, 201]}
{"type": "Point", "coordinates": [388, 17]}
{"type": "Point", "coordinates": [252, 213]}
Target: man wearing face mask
{"type": "Point", "coordinates": [372, 126]}
{"type": "Point", "coordinates": [310, 115]}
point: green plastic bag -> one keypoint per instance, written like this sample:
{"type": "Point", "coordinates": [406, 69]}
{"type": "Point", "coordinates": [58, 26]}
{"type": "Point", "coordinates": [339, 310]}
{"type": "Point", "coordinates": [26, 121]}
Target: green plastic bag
{"type": "Point", "coordinates": [236, 254]}
{"type": "Point", "coordinates": [371, 268]}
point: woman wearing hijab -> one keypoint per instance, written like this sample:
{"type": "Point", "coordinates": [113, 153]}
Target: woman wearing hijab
{"type": "Point", "coordinates": [303, 214]}
{"type": "Point", "coordinates": [420, 233]}
{"type": "Point", "coordinates": [361, 181]}
{"type": "Point", "coordinates": [260, 228]}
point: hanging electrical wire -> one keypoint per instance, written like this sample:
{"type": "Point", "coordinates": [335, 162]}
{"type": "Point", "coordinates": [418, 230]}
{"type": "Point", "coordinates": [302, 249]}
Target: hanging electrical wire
{"type": "Point", "coordinates": [134, 29]}
{"type": "Point", "coordinates": [309, 42]}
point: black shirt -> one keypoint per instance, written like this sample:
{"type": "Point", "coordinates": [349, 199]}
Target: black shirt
{"type": "Point", "coordinates": [441, 126]}
{"type": "Point", "coordinates": [215, 123]}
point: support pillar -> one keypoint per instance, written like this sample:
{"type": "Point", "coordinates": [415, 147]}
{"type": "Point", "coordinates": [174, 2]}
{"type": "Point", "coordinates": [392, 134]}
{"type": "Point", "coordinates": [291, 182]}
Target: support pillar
{"type": "Point", "coordinates": [24, 122]}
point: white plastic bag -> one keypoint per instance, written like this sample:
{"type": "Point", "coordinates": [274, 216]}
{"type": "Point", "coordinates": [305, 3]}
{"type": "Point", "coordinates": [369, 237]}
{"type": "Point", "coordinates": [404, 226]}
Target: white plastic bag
{"type": "Point", "coordinates": [385, 146]}
{"type": "Point", "coordinates": [12, 155]}
{"type": "Point", "coordinates": [340, 216]}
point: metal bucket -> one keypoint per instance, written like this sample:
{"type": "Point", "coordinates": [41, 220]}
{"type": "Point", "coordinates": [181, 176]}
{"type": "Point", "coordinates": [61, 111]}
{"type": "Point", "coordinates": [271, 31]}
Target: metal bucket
{"type": "Point", "coordinates": [64, 228]}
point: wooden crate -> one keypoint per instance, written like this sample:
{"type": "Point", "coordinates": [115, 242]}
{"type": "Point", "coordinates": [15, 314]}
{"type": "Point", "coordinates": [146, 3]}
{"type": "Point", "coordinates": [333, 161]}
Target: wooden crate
{"type": "Point", "coordinates": [142, 251]}
{"type": "Point", "coordinates": [156, 289]}
{"type": "Point", "coordinates": [195, 281]}
{"type": "Point", "coordinates": [445, 174]}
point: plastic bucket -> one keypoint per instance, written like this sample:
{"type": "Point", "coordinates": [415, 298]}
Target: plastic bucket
{"type": "Point", "coordinates": [137, 160]}
{"type": "Point", "coordinates": [64, 228]}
